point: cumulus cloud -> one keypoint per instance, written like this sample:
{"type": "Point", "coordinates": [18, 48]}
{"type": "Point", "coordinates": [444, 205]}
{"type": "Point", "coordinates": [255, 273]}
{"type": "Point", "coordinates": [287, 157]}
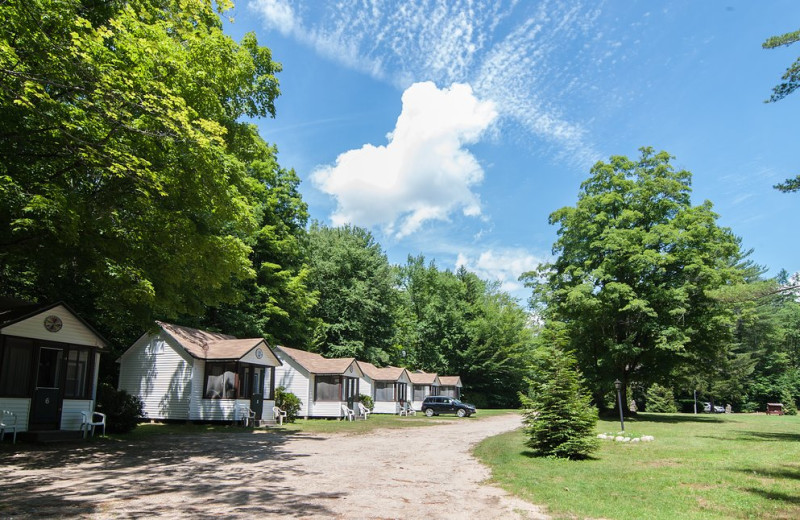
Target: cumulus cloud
{"type": "Point", "coordinates": [425, 172]}
{"type": "Point", "coordinates": [504, 266]}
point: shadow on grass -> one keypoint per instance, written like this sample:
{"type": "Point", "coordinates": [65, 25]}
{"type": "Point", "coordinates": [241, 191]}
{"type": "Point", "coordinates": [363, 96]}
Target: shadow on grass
{"type": "Point", "coordinates": [768, 436]}
{"type": "Point", "coordinates": [532, 455]}
{"type": "Point", "coordinates": [669, 418]}
{"type": "Point", "coordinates": [784, 472]}
{"type": "Point", "coordinates": [205, 476]}
{"type": "Point", "coordinates": [775, 496]}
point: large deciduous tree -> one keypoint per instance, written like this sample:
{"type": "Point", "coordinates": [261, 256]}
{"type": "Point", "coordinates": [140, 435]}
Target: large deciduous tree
{"type": "Point", "coordinates": [635, 262]}
{"type": "Point", "coordinates": [125, 173]}
{"type": "Point", "coordinates": [356, 295]}
{"type": "Point", "coordinates": [790, 83]}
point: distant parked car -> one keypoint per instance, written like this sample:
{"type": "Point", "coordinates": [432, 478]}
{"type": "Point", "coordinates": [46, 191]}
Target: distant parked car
{"type": "Point", "coordinates": [717, 408]}
{"type": "Point", "coordinates": [436, 404]}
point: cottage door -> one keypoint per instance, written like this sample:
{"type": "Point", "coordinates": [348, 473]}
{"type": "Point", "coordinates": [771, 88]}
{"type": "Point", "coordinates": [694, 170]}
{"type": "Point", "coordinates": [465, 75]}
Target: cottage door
{"type": "Point", "coordinates": [350, 391]}
{"type": "Point", "coordinates": [257, 396]}
{"type": "Point", "coordinates": [46, 406]}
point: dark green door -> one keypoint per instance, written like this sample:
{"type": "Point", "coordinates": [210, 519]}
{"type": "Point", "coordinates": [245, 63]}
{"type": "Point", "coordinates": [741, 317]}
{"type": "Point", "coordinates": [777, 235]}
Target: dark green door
{"type": "Point", "coordinates": [47, 400]}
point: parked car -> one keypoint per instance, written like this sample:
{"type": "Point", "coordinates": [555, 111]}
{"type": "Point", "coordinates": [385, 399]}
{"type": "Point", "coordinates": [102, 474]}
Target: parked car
{"type": "Point", "coordinates": [717, 408]}
{"type": "Point", "coordinates": [436, 404]}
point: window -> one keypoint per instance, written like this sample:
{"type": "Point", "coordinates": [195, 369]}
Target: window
{"type": "Point", "coordinates": [384, 391]}
{"type": "Point", "coordinates": [327, 388]}
{"type": "Point", "coordinates": [419, 392]}
{"type": "Point", "coordinates": [77, 378]}
{"type": "Point", "coordinates": [15, 367]}
{"type": "Point", "coordinates": [221, 380]}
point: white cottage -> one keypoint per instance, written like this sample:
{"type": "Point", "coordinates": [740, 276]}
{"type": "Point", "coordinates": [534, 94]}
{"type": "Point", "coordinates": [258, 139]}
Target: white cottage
{"type": "Point", "coordinates": [322, 384]}
{"type": "Point", "coordinates": [181, 373]}
{"type": "Point", "coordinates": [450, 386]}
{"type": "Point", "coordinates": [387, 386]}
{"type": "Point", "coordinates": [49, 360]}
{"type": "Point", "coordinates": [423, 384]}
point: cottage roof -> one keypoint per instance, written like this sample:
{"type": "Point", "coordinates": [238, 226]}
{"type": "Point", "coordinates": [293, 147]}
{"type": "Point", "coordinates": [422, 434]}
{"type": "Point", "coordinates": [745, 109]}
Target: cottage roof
{"type": "Point", "coordinates": [204, 344]}
{"type": "Point", "coordinates": [317, 364]}
{"type": "Point", "coordinates": [14, 311]}
{"type": "Point", "coordinates": [423, 378]}
{"type": "Point", "coordinates": [381, 374]}
{"type": "Point", "coordinates": [450, 380]}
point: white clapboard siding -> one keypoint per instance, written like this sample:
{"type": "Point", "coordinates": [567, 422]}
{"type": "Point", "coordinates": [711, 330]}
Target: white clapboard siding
{"type": "Point", "coordinates": [365, 386]}
{"type": "Point", "coordinates": [71, 418]}
{"type": "Point", "coordinates": [386, 407]}
{"type": "Point", "coordinates": [160, 375]}
{"type": "Point", "coordinates": [295, 379]}
{"type": "Point", "coordinates": [327, 409]}
{"type": "Point", "coordinates": [72, 331]}
{"type": "Point", "coordinates": [19, 406]}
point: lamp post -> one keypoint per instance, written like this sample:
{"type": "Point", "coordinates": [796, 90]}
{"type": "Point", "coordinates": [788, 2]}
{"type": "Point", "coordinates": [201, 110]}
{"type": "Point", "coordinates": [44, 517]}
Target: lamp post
{"type": "Point", "coordinates": [618, 386]}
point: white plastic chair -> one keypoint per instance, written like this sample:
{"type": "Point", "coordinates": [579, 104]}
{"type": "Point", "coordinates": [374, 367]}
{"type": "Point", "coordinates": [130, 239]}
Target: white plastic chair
{"type": "Point", "coordinates": [246, 415]}
{"type": "Point", "coordinates": [8, 422]}
{"type": "Point", "coordinates": [86, 423]}
{"type": "Point", "coordinates": [406, 409]}
{"type": "Point", "coordinates": [348, 413]}
{"type": "Point", "coordinates": [363, 410]}
{"type": "Point", "coordinates": [278, 414]}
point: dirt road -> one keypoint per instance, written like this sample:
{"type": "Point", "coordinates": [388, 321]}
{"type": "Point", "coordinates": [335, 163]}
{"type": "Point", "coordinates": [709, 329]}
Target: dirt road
{"type": "Point", "coordinates": [408, 473]}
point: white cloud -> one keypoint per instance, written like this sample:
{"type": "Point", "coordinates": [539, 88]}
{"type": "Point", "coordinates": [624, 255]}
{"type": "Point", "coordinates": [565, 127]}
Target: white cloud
{"type": "Point", "coordinates": [277, 14]}
{"type": "Point", "coordinates": [503, 265]}
{"type": "Point", "coordinates": [423, 173]}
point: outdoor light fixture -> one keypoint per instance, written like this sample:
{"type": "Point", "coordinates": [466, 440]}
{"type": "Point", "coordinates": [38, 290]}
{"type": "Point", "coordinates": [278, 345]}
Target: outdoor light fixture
{"type": "Point", "coordinates": [618, 386]}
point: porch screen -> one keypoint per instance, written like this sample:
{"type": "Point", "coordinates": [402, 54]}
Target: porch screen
{"type": "Point", "coordinates": [384, 391]}
{"type": "Point", "coordinates": [75, 385]}
{"type": "Point", "coordinates": [419, 392]}
{"type": "Point", "coordinates": [327, 388]}
{"type": "Point", "coordinates": [15, 367]}
{"type": "Point", "coordinates": [221, 380]}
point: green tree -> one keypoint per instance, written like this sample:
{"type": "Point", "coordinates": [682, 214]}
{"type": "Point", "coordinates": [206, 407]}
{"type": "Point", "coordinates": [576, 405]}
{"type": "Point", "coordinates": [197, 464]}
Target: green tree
{"type": "Point", "coordinates": [660, 399]}
{"type": "Point", "coordinates": [559, 419]}
{"type": "Point", "coordinates": [125, 172]}
{"type": "Point", "coordinates": [356, 295]}
{"type": "Point", "coordinates": [635, 262]}
{"type": "Point", "coordinates": [790, 83]}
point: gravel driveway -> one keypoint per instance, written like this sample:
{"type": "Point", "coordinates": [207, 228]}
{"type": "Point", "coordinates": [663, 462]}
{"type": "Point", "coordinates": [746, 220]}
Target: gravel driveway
{"type": "Point", "coordinates": [424, 472]}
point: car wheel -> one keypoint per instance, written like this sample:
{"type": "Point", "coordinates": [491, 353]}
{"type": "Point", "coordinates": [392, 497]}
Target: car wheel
{"type": "Point", "coordinates": [429, 412]}
{"type": "Point", "coordinates": [461, 412]}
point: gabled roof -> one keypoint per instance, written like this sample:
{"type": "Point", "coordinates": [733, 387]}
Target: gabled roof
{"type": "Point", "coordinates": [203, 344]}
{"type": "Point", "coordinates": [381, 374]}
{"type": "Point", "coordinates": [316, 364]}
{"type": "Point", "coordinates": [423, 378]}
{"type": "Point", "coordinates": [13, 311]}
{"type": "Point", "coordinates": [450, 380]}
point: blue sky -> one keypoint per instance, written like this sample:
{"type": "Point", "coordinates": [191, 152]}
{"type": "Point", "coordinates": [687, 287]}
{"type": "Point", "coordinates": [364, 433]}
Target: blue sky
{"type": "Point", "coordinates": [453, 128]}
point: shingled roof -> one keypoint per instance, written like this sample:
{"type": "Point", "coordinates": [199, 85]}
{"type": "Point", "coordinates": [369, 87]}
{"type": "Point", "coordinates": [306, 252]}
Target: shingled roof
{"type": "Point", "coordinates": [316, 364]}
{"type": "Point", "coordinates": [422, 378]}
{"type": "Point", "coordinates": [450, 380]}
{"type": "Point", "coordinates": [203, 344]}
{"type": "Point", "coordinates": [381, 374]}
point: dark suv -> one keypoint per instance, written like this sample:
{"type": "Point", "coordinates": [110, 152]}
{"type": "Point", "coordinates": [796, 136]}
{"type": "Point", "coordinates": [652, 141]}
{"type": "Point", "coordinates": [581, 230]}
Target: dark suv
{"type": "Point", "coordinates": [436, 404]}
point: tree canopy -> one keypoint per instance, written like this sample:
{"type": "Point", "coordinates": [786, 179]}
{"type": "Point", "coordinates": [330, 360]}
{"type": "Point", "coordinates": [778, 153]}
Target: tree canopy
{"type": "Point", "coordinates": [635, 262]}
{"type": "Point", "coordinates": [126, 175]}
{"type": "Point", "coordinates": [790, 83]}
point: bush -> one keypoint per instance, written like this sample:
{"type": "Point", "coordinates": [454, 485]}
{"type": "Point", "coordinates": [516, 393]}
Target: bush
{"type": "Point", "coordinates": [288, 402]}
{"type": "Point", "coordinates": [789, 406]}
{"type": "Point", "coordinates": [559, 420]}
{"type": "Point", "coordinates": [123, 411]}
{"type": "Point", "coordinates": [366, 401]}
{"type": "Point", "coordinates": [480, 400]}
{"type": "Point", "coordinates": [660, 400]}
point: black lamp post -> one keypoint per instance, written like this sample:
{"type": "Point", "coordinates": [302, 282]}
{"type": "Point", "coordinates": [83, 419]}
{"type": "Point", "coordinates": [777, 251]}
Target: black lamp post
{"type": "Point", "coordinates": [618, 385]}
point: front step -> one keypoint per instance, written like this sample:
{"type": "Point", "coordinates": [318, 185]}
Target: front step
{"type": "Point", "coordinates": [266, 423]}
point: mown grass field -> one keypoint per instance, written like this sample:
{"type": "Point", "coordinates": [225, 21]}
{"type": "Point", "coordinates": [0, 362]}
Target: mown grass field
{"type": "Point", "coordinates": [699, 467]}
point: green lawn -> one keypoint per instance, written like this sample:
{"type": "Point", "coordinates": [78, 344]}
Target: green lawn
{"type": "Point", "coordinates": [698, 467]}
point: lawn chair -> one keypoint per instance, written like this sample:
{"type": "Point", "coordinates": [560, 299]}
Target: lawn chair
{"type": "Point", "coordinates": [348, 413]}
{"type": "Point", "coordinates": [91, 420]}
{"type": "Point", "coordinates": [8, 422]}
{"type": "Point", "coordinates": [363, 410]}
{"type": "Point", "coordinates": [278, 414]}
{"type": "Point", "coordinates": [406, 409]}
{"type": "Point", "coordinates": [246, 415]}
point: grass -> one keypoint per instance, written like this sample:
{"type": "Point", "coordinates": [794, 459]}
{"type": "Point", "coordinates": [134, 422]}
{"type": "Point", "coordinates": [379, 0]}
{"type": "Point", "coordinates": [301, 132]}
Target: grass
{"type": "Point", "coordinates": [698, 467]}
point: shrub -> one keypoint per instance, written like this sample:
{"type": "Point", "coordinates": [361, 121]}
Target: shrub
{"type": "Point", "coordinates": [288, 402]}
{"type": "Point", "coordinates": [660, 400]}
{"type": "Point", "coordinates": [123, 411]}
{"type": "Point", "coordinates": [559, 420]}
{"type": "Point", "coordinates": [789, 406]}
{"type": "Point", "coordinates": [366, 401]}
